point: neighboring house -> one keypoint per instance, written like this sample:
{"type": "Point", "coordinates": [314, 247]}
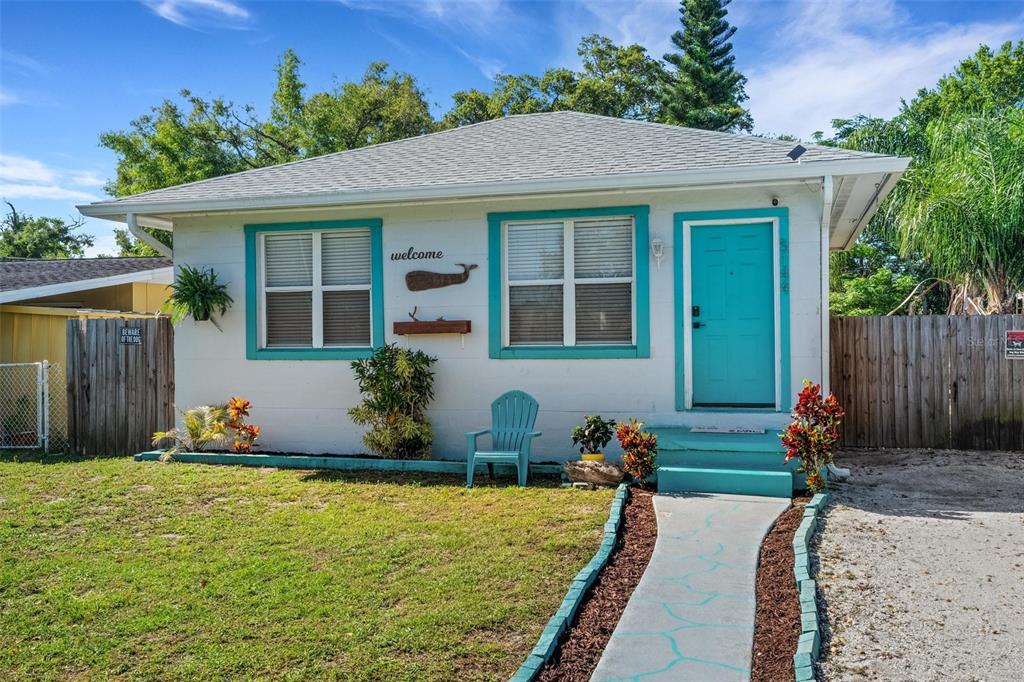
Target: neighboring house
{"type": "Point", "coordinates": [38, 296]}
{"type": "Point", "coordinates": [624, 268]}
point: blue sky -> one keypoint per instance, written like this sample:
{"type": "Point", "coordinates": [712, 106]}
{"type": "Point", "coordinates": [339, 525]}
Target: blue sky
{"type": "Point", "coordinates": [71, 70]}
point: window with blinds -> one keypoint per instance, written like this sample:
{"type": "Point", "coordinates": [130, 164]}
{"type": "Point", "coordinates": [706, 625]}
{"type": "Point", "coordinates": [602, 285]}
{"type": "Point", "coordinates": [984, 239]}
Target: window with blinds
{"type": "Point", "coordinates": [316, 289]}
{"type": "Point", "coordinates": [569, 282]}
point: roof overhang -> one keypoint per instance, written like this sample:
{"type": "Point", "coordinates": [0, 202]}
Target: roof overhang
{"type": "Point", "coordinates": [154, 276]}
{"type": "Point", "coordinates": [162, 211]}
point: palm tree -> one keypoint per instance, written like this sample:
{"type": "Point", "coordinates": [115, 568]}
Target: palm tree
{"type": "Point", "coordinates": [962, 208]}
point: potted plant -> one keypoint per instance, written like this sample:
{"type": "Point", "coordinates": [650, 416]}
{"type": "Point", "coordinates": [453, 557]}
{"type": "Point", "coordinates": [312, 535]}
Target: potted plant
{"type": "Point", "coordinates": [197, 293]}
{"type": "Point", "coordinates": [593, 437]}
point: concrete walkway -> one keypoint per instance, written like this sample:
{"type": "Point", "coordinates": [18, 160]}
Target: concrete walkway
{"type": "Point", "coordinates": [692, 615]}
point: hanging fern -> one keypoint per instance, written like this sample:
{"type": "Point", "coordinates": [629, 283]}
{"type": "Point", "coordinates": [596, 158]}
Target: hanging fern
{"type": "Point", "coordinates": [197, 294]}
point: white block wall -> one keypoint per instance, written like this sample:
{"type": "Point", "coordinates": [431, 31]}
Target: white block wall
{"type": "Point", "coordinates": [302, 405]}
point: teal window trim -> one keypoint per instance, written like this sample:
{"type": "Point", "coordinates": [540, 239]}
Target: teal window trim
{"type": "Point", "coordinates": [782, 215]}
{"type": "Point", "coordinates": [252, 349]}
{"type": "Point", "coordinates": [642, 309]}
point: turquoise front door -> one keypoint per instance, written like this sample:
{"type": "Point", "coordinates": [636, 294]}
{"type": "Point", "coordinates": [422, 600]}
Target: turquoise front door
{"type": "Point", "coordinates": [732, 294]}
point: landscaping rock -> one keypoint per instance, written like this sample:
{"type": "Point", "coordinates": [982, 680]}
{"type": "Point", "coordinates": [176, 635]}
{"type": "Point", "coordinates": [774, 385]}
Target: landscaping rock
{"type": "Point", "coordinates": [594, 473]}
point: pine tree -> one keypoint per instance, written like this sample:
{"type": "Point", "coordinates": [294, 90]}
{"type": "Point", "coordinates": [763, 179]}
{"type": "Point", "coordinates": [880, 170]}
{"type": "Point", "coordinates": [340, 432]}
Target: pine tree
{"type": "Point", "coordinates": [704, 90]}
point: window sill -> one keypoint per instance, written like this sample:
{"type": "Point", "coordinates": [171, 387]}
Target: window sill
{"type": "Point", "coordinates": [309, 353]}
{"type": "Point", "coordinates": [567, 352]}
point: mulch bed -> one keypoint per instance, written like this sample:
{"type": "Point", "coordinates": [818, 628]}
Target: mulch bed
{"type": "Point", "coordinates": [777, 623]}
{"type": "Point", "coordinates": [581, 647]}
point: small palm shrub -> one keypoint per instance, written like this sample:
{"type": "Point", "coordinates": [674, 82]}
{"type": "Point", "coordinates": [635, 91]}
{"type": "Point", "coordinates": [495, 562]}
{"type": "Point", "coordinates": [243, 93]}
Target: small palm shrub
{"type": "Point", "coordinates": [639, 449]}
{"type": "Point", "coordinates": [200, 427]}
{"type": "Point", "coordinates": [197, 293]}
{"type": "Point", "coordinates": [397, 385]}
{"type": "Point", "coordinates": [594, 435]}
{"type": "Point", "coordinates": [813, 434]}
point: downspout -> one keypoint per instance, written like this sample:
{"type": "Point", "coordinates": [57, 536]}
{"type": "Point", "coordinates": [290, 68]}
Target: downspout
{"type": "Point", "coordinates": [823, 249]}
{"type": "Point", "coordinates": [826, 352]}
{"type": "Point", "coordinates": [145, 237]}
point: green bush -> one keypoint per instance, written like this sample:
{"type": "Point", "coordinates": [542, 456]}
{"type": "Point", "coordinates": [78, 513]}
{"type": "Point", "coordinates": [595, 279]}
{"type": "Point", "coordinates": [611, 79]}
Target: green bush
{"type": "Point", "coordinates": [397, 384]}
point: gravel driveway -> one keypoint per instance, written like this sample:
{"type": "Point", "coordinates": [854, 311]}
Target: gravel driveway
{"type": "Point", "coordinates": [922, 567]}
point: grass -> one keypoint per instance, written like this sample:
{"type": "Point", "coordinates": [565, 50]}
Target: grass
{"type": "Point", "coordinates": [115, 568]}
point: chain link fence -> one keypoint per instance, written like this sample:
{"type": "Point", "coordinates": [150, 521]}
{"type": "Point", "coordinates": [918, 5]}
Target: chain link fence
{"type": "Point", "coordinates": [33, 406]}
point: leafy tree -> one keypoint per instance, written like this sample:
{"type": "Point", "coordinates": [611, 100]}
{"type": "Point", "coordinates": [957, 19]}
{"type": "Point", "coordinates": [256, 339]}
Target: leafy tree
{"type": "Point", "coordinates": [988, 83]}
{"type": "Point", "coordinates": [196, 138]}
{"type": "Point", "coordinates": [704, 89]}
{"type": "Point", "coordinates": [23, 236]}
{"type": "Point", "coordinates": [963, 208]}
{"type": "Point", "coordinates": [619, 81]}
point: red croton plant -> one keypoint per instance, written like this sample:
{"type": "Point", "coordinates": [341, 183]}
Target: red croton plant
{"type": "Point", "coordinates": [245, 434]}
{"type": "Point", "coordinates": [639, 449]}
{"type": "Point", "coordinates": [813, 433]}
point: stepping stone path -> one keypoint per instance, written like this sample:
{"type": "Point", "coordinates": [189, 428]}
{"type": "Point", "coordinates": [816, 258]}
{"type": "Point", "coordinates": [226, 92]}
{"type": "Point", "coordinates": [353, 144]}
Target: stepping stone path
{"type": "Point", "coordinates": [692, 615]}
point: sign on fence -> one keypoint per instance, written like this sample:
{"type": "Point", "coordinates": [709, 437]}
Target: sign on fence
{"type": "Point", "coordinates": [131, 336]}
{"type": "Point", "coordinates": [1015, 345]}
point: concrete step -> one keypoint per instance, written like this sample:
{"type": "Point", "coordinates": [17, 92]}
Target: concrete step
{"type": "Point", "coordinates": [676, 479]}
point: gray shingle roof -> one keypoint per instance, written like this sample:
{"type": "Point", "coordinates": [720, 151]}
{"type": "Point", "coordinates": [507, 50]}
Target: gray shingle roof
{"type": "Point", "coordinates": [558, 145]}
{"type": "Point", "coordinates": [26, 274]}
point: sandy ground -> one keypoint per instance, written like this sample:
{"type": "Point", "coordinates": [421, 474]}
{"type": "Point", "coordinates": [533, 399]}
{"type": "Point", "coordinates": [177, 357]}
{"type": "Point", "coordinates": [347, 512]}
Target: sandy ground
{"type": "Point", "coordinates": [922, 567]}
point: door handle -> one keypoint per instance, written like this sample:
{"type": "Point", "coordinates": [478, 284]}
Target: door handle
{"type": "Point", "coordinates": [696, 325]}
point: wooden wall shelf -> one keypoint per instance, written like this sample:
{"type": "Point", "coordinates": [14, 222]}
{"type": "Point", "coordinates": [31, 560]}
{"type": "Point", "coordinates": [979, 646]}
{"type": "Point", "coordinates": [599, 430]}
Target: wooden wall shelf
{"type": "Point", "coordinates": [433, 327]}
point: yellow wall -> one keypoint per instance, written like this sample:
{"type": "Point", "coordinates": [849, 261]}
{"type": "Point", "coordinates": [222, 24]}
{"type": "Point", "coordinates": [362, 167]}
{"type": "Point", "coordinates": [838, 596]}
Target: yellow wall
{"type": "Point", "coordinates": [34, 334]}
{"type": "Point", "coordinates": [140, 297]}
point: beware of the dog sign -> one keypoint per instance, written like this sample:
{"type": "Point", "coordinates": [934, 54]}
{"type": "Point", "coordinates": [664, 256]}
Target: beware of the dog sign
{"type": "Point", "coordinates": [1015, 345]}
{"type": "Point", "coordinates": [131, 336]}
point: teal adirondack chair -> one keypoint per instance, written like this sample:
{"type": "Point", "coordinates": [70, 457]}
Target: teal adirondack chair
{"type": "Point", "coordinates": [512, 418]}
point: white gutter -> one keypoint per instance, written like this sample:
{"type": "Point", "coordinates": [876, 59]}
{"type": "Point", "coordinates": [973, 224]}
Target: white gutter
{"type": "Point", "coordinates": [700, 177]}
{"type": "Point", "coordinates": [145, 237]}
{"type": "Point", "coordinates": [156, 276]}
{"type": "Point", "coordinates": [823, 255]}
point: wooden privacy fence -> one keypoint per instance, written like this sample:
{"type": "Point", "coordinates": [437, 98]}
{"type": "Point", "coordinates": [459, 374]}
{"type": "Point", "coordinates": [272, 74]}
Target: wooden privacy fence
{"type": "Point", "coordinates": [928, 381]}
{"type": "Point", "coordinates": [120, 383]}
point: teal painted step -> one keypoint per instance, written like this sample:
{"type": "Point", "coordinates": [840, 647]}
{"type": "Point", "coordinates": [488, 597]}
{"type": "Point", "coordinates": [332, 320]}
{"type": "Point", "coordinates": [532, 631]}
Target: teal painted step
{"type": "Point", "coordinates": [739, 463]}
{"type": "Point", "coordinates": [672, 479]}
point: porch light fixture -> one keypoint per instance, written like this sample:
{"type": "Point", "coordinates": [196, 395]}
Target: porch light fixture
{"type": "Point", "coordinates": [658, 250]}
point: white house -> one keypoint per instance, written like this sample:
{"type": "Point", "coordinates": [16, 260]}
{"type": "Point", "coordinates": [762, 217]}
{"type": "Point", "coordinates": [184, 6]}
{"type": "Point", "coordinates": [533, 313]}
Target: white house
{"type": "Point", "coordinates": [624, 268]}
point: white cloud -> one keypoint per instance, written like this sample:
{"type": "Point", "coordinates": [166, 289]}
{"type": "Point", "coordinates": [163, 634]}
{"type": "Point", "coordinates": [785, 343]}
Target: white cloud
{"type": "Point", "coordinates": [858, 71]}
{"type": "Point", "coordinates": [22, 63]}
{"type": "Point", "coordinates": [7, 98]}
{"type": "Point", "coordinates": [87, 179]}
{"type": "Point", "coordinates": [816, 60]}
{"type": "Point", "coordinates": [201, 13]}
{"type": "Point", "coordinates": [32, 191]}
{"type": "Point", "coordinates": [25, 178]}
{"type": "Point", "coordinates": [488, 67]}
{"type": "Point", "coordinates": [14, 167]}
{"type": "Point", "coordinates": [483, 17]}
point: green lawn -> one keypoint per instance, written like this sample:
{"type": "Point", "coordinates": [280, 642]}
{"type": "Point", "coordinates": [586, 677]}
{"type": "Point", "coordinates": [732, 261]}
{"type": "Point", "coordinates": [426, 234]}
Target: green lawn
{"type": "Point", "coordinates": [115, 568]}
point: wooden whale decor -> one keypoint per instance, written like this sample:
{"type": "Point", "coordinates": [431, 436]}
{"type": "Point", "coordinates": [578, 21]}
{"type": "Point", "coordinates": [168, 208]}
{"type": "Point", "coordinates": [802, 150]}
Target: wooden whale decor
{"type": "Point", "coordinates": [421, 280]}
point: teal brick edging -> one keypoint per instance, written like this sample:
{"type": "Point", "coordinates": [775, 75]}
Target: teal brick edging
{"type": "Point", "coordinates": [583, 581]}
{"type": "Point", "coordinates": [430, 466]}
{"type": "Point", "coordinates": [807, 647]}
